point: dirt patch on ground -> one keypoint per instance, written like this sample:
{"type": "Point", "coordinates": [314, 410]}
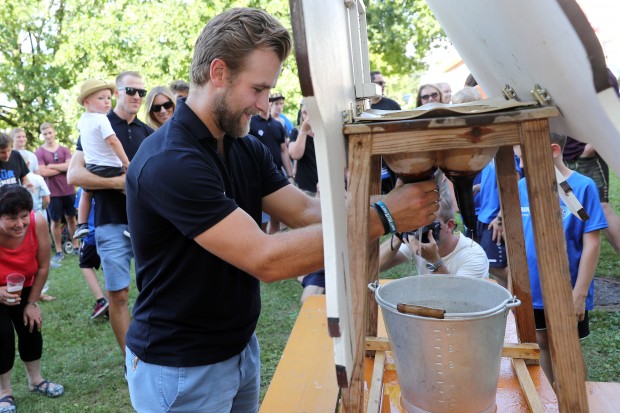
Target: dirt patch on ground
{"type": "Point", "coordinates": [607, 293]}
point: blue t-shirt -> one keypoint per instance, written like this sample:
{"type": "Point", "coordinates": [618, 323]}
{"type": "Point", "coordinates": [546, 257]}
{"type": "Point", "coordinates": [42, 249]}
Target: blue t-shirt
{"type": "Point", "coordinates": [288, 125]}
{"type": "Point", "coordinates": [586, 192]}
{"type": "Point", "coordinates": [489, 193]}
{"type": "Point", "coordinates": [90, 238]}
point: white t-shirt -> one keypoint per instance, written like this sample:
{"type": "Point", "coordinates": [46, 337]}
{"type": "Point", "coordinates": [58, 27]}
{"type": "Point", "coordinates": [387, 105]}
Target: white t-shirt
{"type": "Point", "coordinates": [30, 158]}
{"type": "Point", "coordinates": [94, 129]}
{"type": "Point", "coordinates": [38, 191]}
{"type": "Point", "coordinates": [468, 259]}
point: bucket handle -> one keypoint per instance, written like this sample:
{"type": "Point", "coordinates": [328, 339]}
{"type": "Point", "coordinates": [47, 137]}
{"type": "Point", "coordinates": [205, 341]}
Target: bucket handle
{"type": "Point", "coordinates": [506, 304]}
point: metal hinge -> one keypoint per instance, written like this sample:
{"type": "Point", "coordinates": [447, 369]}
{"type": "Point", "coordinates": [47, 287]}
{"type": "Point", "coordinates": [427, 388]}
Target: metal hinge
{"type": "Point", "coordinates": [509, 93]}
{"type": "Point", "coordinates": [541, 95]}
{"type": "Point", "coordinates": [355, 109]}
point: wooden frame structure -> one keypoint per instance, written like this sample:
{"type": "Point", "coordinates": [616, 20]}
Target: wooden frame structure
{"type": "Point", "coordinates": [331, 52]}
{"type": "Point", "coordinates": [528, 128]}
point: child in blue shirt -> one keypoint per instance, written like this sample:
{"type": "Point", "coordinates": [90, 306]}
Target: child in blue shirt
{"type": "Point", "coordinates": [583, 246]}
{"type": "Point", "coordinates": [489, 232]}
{"type": "Point", "coordinates": [90, 261]}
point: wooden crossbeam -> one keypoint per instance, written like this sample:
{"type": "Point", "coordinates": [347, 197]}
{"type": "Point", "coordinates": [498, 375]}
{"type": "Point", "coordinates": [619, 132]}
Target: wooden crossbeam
{"type": "Point", "coordinates": [528, 351]}
{"type": "Point", "coordinates": [376, 385]}
{"type": "Point", "coordinates": [527, 386]}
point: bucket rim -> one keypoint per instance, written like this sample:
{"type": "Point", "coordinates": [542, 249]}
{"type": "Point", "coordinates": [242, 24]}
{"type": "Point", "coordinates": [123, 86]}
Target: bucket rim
{"type": "Point", "coordinates": [510, 302]}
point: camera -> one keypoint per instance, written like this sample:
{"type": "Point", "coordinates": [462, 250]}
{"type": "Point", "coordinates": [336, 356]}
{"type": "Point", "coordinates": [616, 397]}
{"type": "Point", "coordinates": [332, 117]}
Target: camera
{"type": "Point", "coordinates": [435, 226]}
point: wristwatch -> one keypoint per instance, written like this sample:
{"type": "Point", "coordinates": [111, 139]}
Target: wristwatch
{"type": "Point", "coordinates": [434, 266]}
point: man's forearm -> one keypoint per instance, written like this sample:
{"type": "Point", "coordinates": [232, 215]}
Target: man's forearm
{"type": "Point", "coordinates": [60, 167]}
{"type": "Point", "coordinates": [88, 180]}
{"type": "Point", "coordinates": [80, 176]}
{"type": "Point", "coordinates": [46, 171]}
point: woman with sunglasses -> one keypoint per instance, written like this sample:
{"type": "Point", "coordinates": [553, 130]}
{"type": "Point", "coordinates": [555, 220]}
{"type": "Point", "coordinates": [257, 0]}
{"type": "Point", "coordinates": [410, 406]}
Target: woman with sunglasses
{"type": "Point", "coordinates": [159, 106]}
{"type": "Point", "coordinates": [428, 93]}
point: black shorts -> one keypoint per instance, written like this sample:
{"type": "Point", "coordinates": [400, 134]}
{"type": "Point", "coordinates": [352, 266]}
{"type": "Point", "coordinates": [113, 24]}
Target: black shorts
{"type": "Point", "coordinates": [595, 168]}
{"type": "Point", "coordinates": [316, 278]}
{"type": "Point", "coordinates": [89, 258]}
{"type": "Point", "coordinates": [496, 253]}
{"type": "Point", "coordinates": [583, 327]}
{"type": "Point", "coordinates": [62, 206]}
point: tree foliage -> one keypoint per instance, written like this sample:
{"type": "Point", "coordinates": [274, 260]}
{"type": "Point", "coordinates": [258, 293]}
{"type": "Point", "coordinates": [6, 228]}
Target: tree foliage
{"type": "Point", "coordinates": [48, 47]}
{"type": "Point", "coordinates": [400, 33]}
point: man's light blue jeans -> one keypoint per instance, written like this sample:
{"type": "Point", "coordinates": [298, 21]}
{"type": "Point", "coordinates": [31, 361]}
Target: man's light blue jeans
{"type": "Point", "coordinates": [232, 385]}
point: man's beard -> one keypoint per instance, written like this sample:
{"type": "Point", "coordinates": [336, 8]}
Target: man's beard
{"type": "Point", "coordinates": [230, 119]}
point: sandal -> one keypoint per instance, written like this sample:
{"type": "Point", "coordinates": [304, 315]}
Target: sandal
{"type": "Point", "coordinates": [48, 389]}
{"type": "Point", "coordinates": [11, 404]}
{"type": "Point", "coordinates": [45, 297]}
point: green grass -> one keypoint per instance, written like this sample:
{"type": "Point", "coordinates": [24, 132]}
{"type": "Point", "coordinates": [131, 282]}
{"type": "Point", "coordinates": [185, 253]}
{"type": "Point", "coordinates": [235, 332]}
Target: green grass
{"type": "Point", "coordinates": [83, 355]}
{"type": "Point", "coordinates": [78, 352]}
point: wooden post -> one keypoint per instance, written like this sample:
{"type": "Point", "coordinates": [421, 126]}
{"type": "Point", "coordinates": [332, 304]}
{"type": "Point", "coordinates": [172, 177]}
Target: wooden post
{"type": "Point", "coordinates": [359, 189]}
{"type": "Point", "coordinates": [515, 244]}
{"type": "Point", "coordinates": [372, 274]}
{"type": "Point", "coordinates": [542, 189]}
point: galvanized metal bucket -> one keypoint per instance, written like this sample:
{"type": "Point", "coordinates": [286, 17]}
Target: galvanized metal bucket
{"type": "Point", "coordinates": [450, 364]}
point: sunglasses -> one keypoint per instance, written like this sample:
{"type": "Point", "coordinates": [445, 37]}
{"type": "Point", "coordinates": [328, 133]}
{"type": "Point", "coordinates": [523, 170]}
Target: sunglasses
{"type": "Point", "coordinates": [433, 95]}
{"type": "Point", "coordinates": [55, 157]}
{"type": "Point", "coordinates": [131, 91]}
{"type": "Point", "coordinates": [157, 108]}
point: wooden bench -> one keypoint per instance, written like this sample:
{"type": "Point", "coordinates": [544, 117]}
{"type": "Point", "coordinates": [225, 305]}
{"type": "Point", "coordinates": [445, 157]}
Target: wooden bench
{"type": "Point", "coordinates": [305, 379]}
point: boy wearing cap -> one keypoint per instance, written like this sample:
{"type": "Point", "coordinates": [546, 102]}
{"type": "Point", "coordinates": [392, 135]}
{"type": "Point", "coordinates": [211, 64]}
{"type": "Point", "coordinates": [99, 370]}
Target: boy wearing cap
{"type": "Point", "coordinates": [276, 101]}
{"type": "Point", "coordinates": [103, 152]}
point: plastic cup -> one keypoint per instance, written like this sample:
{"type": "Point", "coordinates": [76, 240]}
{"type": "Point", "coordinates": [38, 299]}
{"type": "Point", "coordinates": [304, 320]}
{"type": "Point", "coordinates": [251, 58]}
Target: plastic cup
{"type": "Point", "coordinates": [14, 285]}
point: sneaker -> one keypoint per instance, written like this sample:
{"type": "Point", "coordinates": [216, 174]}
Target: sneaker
{"type": "Point", "coordinates": [75, 251]}
{"type": "Point", "coordinates": [101, 306]}
{"type": "Point", "coordinates": [58, 257]}
{"type": "Point", "coordinates": [55, 264]}
{"type": "Point", "coordinates": [81, 231]}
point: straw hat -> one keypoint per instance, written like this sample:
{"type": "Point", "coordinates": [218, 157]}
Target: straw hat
{"type": "Point", "coordinates": [93, 86]}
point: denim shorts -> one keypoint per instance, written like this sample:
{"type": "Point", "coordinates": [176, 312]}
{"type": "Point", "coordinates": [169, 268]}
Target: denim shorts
{"type": "Point", "coordinates": [232, 385]}
{"type": "Point", "coordinates": [116, 253]}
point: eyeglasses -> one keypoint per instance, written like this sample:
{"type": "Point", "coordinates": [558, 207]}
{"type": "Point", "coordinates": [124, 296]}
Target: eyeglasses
{"type": "Point", "coordinates": [380, 82]}
{"type": "Point", "coordinates": [157, 108]}
{"type": "Point", "coordinates": [433, 95]}
{"type": "Point", "coordinates": [131, 91]}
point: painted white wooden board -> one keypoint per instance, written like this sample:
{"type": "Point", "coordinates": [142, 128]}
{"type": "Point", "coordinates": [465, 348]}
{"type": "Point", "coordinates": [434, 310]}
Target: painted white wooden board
{"type": "Point", "coordinates": [528, 42]}
{"type": "Point", "coordinates": [330, 91]}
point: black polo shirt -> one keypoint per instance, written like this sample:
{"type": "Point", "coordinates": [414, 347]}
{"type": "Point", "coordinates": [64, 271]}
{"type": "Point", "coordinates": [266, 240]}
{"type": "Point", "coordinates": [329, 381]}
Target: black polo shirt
{"type": "Point", "coordinates": [111, 203]}
{"type": "Point", "coordinates": [192, 308]}
{"type": "Point", "coordinates": [271, 133]}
